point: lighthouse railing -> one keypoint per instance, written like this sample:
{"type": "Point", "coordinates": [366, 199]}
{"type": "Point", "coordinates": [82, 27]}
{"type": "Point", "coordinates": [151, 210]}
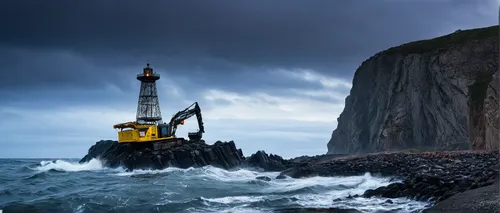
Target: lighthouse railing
{"type": "Point", "coordinates": [152, 74]}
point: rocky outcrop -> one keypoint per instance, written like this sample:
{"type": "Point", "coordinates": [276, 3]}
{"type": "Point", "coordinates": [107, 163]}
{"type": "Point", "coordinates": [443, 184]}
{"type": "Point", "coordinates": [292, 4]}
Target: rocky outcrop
{"type": "Point", "coordinates": [188, 154]}
{"type": "Point", "coordinates": [276, 163]}
{"type": "Point", "coordinates": [268, 162]}
{"type": "Point", "coordinates": [422, 176]}
{"type": "Point", "coordinates": [439, 94]}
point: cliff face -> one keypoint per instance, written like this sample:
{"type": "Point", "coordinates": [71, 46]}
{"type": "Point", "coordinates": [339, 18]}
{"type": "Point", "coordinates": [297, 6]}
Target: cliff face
{"type": "Point", "coordinates": [439, 94]}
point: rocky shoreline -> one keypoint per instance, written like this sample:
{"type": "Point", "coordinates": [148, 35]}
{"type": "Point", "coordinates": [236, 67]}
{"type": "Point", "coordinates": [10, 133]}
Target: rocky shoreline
{"type": "Point", "coordinates": [431, 176]}
{"type": "Point", "coordinates": [428, 176]}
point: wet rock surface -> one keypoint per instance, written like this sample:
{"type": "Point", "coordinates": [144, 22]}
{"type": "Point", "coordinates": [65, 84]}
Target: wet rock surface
{"type": "Point", "coordinates": [431, 176]}
{"type": "Point", "coordinates": [480, 200]}
{"type": "Point", "coordinates": [189, 154]}
{"type": "Point", "coordinates": [268, 162]}
{"type": "Point", "coordinates": [440, 176]}
{"type": "Point", "coordinates": [275, 163]}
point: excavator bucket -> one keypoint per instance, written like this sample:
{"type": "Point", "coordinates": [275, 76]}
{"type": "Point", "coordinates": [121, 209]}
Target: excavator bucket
{"type": "Point", "coordinates": [194, 136]}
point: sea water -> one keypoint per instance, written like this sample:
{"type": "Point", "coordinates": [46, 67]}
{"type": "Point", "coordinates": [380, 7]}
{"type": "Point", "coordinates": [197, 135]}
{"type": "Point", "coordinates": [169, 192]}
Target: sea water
{"type": "Point", "coordinates": [66, 186]}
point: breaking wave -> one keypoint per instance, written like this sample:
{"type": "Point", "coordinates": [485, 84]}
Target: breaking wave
{"type": "Point", "coordinates": [65, 166]}
{"type": "Point", "coordinates": [62, 186]}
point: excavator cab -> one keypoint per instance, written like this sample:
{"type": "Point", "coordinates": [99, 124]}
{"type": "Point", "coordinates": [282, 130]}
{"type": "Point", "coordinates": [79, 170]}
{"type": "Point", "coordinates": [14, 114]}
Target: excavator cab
{"type": "Point", "coordinates": [162, 130]}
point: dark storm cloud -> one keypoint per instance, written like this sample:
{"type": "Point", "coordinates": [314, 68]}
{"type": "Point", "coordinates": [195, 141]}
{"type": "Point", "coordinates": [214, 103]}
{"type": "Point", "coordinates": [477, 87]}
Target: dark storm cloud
{"type": "Point", "coordinates": [211, 39]}
{"type": "Point", "coordinates": [250, 32]}
{"type": "Point", "coordinates": [58, 75]}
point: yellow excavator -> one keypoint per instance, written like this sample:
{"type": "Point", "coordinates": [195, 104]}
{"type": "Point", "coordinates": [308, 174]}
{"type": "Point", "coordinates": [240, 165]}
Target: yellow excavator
{"type": "Point", "coordinates": [133, 132]}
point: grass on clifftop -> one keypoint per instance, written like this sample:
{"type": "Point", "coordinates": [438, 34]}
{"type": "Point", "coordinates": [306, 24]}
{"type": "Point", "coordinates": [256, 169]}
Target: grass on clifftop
{"type": "Point", "coordinates": [458, 37]}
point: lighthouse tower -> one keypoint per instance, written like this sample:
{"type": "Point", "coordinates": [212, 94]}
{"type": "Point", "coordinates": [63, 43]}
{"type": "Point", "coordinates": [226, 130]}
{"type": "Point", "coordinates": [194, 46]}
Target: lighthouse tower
{"type": "Point", "coordinates": [148, 108]}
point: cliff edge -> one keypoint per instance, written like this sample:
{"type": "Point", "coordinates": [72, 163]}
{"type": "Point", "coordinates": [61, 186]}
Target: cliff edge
{"type": "Point", "coordinates": [437, 94]}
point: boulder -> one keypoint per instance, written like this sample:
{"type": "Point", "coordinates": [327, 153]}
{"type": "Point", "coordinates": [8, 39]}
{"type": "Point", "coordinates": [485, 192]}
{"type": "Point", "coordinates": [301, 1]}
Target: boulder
{"type": "Point", "coordinates": [268, 162]}
{"type": "Point", "coordinates": [265, 178]}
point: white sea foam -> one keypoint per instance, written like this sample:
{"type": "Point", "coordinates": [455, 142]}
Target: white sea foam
{"type": "Point", "coordinates": [62, 165]}
{"type": "Point", "coordinates": [235, 199]}
{"type": "Point", "coordinates": [319, 192]}
{"type": "Point", "coordinates": [332, 188]}
{"type": "Point", "coordinates": [241, 175]}
{"type": "Point", "coordinates": [207, 172]}
{"type": "Point", "coordinates": [152, 171]}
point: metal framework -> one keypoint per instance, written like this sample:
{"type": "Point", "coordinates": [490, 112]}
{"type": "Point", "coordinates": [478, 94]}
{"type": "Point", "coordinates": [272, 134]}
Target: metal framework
{"type": "Point", "coordinates": [148, 107]}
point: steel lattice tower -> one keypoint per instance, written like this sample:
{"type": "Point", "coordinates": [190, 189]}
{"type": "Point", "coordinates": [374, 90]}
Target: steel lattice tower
{"type": "Point", "coordinates": [148, 108]}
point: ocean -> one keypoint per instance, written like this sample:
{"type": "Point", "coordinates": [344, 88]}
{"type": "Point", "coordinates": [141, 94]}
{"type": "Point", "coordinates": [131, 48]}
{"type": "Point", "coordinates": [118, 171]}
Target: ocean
{"type": "Point", "coordinates": [45, 185]}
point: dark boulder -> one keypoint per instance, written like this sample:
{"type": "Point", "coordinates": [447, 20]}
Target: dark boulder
{"type": "Point", "coordinates": [265, 178]}
{"type": "Point", "coordinates": [299, 172]}
{"type": "Point", "coordinates": [281, 177]}
{"type": "Point", "coordinates": [182, 155]}
{"type": "Point", "coordinates": [268, 162]}
{"type": "Point", "coordinates": [98, 149]}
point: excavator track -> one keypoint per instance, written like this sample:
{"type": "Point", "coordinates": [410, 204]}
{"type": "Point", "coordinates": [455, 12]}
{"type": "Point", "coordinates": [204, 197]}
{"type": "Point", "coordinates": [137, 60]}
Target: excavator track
{"type": "Point", "coordinates": [165, 144]}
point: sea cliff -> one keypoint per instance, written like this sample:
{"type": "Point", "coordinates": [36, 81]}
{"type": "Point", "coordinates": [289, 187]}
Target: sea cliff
{"type": "Point", "coordinates": [437, 94]}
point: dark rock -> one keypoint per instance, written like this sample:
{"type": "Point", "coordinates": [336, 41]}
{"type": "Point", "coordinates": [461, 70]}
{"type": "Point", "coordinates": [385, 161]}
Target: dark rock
{"type": "Point", "coordinates": [182, 155]}
{"type": "Point", "coordinates": [267, 162]}
{"type": "Point", "coordinates": [370, 192]}
{"type": "Point", "coordinates": [427, 176]}
{"type": "Point", "coordinates": [99, 149]}
{"type": "Point", "coordinates": [271, 162]}
{"type": "Point", "coordinates": [298, 172]}
{"type": "Point", "coordinates": [263, 178]}
{"type": "Point", "coordinates": [480, 200]}
{"type": "Point", "coordinates": [438, 193]}
{"type": "Point", "coordinates": [462, 189]}
{"type": "Point", "coordinates": [380, 114]}
{"type": "Point", "coordinates": [281, 177]}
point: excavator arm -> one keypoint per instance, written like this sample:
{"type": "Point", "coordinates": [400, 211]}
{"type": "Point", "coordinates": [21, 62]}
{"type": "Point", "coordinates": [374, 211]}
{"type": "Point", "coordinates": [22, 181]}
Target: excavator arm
{"type": "Point", "coordinates": [187, 113]}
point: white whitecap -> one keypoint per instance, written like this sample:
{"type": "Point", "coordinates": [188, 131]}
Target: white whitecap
{"type": "Point", "coordinates": [153, 171]}
{"type": "Point", "coordinates": [235, 199]}
{"type": "Point", "coordinates": [240, 175]}
{"type": "Point", "coordinates": [62, 165]}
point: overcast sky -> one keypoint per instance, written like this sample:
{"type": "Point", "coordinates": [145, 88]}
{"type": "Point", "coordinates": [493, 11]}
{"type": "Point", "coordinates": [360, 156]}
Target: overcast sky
{"type": "Point", "coordinates": [270, 75]}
